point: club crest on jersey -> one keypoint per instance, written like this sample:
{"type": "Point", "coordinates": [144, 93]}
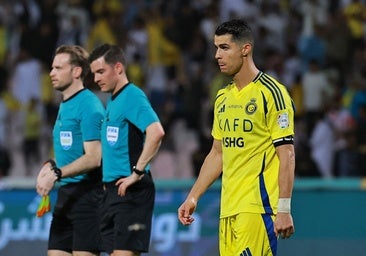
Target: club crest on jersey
{"type": "Point", "coordinates": [251, 107]}
{"type": "Point", "coordinates": [282, 121]}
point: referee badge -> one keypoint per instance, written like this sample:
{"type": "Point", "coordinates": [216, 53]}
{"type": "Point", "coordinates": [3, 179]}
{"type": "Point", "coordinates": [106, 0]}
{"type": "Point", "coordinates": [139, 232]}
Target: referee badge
{"type": "Point", "coordinates": [251, 107]}
{"type": "Point", "coordinates": [66, 139]}
{"type": "Point", "coordinates": [283, 121]}
{"type": "Point", "coordinates": [112, 135]}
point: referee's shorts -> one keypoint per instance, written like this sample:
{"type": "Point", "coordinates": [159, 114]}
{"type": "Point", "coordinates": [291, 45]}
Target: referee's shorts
{"type": "Point", "coordinates": [75, 224]}
{"type": "Point", "coordinates": [126, 221]}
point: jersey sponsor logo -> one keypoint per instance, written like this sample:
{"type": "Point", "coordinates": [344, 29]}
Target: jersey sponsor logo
{"type": "Point", "coordinates": [233, 142]}
{"type": "Point", "coordinates": [66, 139]}
{"type": "Point", "coordinates": [112, 135]}
{"type": "Point", "coordinates": [251, 107]}
{"type": "Point", "coordinates": [236, 124]}
{"type": "Point", "coordinates": [283, 121]}
{"type": "Point", "coordinates": [222, 109]}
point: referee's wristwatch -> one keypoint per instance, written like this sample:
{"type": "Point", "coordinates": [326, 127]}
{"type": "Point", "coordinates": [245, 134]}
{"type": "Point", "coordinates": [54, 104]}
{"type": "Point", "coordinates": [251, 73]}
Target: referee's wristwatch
{"type": "Point", "coordinates": [137, 171]}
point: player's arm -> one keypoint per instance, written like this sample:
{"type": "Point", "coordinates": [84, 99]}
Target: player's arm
{"type": "Point", "coordinates": [153, 138]}
{"type": "Point", "coordinates": [283, 223]}
{"type": "Point", "coordinates": [210, 171]}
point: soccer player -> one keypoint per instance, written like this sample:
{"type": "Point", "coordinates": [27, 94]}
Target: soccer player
{"type": "Point", "coordinates": [76, 142]}
{"type": "Point", "coordinates": [131, 136]}
{"type": "Point", "coordinates": [253, 132]}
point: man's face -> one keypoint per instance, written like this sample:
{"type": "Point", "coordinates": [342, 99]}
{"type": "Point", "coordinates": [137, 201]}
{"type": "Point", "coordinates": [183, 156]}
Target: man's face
{"type": "Point", "coordinates": [105, 75]}
{"type": "Point", "coordinates": [228, 54]}
{"type": "Point", "coordinates": [62, 72]}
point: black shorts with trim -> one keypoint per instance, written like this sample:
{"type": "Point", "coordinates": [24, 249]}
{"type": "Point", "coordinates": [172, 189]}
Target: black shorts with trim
{"type": "Point", "coordinates": [76, 218]}
{"type": "Point", "coordinates": [126, 221]}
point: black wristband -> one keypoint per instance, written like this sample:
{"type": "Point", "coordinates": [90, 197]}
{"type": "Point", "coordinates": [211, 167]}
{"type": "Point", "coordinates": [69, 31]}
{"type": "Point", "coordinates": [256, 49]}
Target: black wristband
{"type": "Point", "coordinates": [55, 169]}
{"type": "Point", "coordinates": [137, 171]}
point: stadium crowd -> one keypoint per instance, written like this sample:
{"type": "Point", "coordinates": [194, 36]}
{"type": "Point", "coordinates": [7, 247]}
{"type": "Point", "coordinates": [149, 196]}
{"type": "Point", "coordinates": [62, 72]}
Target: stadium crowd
{"type": "Point", "coordinates": [314, 47]}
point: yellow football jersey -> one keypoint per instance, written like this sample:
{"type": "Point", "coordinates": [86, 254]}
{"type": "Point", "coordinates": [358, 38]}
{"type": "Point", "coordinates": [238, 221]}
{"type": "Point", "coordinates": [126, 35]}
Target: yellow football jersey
{"type": "Point", "coordinates": [250, 122]}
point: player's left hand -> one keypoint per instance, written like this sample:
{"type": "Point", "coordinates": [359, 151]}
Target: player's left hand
{"type": "Point", "coordinates": [283, 225]}
{"type": "Point", "coordinates": [124, 183]}
{"type": "Point", "coordinates": [45, 180]}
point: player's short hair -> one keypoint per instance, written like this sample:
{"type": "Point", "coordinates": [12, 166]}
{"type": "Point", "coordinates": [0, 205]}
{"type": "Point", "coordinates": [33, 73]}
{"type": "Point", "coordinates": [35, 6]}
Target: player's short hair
{"type": "Point", "coordinates": [238, 29]}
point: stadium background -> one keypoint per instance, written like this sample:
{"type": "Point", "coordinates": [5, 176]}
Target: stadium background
{"type": "Point", "coordinates": [170, 54]}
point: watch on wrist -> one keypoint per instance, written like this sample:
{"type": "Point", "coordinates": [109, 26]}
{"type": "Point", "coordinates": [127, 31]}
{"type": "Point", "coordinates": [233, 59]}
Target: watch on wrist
{"type": "Point", "coordinates": [57, 172]}
{"type": "Point", "coordinates": [137, 171]}
{"type": "Point", "coordinates": [55, 169]}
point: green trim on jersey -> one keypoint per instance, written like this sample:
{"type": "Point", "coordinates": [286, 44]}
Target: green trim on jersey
{"type": "Point", "coordinates": [247, 122]}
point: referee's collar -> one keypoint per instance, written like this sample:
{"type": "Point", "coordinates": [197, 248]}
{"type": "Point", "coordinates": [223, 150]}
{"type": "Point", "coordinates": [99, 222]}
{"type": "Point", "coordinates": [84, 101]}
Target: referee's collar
{"type": "Point", "coordinates": [119, 91]}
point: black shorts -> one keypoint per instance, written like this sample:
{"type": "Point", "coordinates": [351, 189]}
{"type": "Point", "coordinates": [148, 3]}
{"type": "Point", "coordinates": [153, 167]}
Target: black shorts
{"type": "Point", "coordinates": [75, 224]}
{"type": "Point", "coordinates": [126, 221]}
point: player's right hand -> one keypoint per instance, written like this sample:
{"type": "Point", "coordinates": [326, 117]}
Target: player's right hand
{"type": "Point", "coordinates": [186, 210]}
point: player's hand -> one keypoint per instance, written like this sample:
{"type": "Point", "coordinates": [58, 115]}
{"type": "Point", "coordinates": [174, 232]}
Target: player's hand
{"type": "Point", "coordinates": [283, 225]}
{"type": "Point", "coordinates": [124, 183]}
{"type": "Point", "coordinates": [45, 180]}
{"type": "Point", "coordinates": [186, 210]}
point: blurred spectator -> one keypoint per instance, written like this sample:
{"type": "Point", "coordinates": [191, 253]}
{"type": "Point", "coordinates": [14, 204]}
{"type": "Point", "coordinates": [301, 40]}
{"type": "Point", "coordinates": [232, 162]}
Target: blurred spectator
{"type": "Point", "coordinates": [102, 30]}
{"type": "Point", "coordinates": [291, 67]}
{"type": "Point", "coordinates": [47, 33]}
{"type": "Point", "coordinates": [137, 40]}
{"type": "Point", "coordinates": [317, 93]}
{"type": "Point", "coordinates": [361, 140]}
{"type": "Point", "coordinates": [26, 78]}
{"type": "Point", "coordinates": [274, 23]}
{"type": "Point", "coordinates": [359, 99]}
{"type": "Point", "coordinates": [312, 48]}
{"type": "Point", "coordinates": [297, 95]}
{"type": "Point", "coordinates": [348, 157]}
{"type": "Point", "coordinates": [5, 162]}
{"type": "Point", "coordinates": [338, 36]}
{"type": "Point", "coordinates": [209, 21]}
{"type": "Point", "coordinates": [74, 23]}
{"type": "Point", "coordinates": [230, 9]}
{"type": "Point", "coordinates": [355, 13]}
{"type": "Point", "coordinates": [3, 122]}
{"type": "Point", "coordinates": [135, 71]}
{"type": "Point", "coordinates": [314, 14]}
{"type": "Point", "coordinates": [32, 134]}
{"type": "Point", "coordinates": [322, 146]}
{"type": "Point", "coordinates": [4, 111]}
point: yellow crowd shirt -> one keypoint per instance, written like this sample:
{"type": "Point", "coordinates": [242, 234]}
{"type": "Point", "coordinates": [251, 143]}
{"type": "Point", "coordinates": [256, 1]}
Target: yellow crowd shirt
{"type": "Point", "coordinates": [248, 123]}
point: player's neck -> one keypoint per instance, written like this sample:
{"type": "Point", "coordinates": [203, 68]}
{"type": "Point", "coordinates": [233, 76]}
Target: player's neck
{"type": "Point", "coordinates": [246, 75]}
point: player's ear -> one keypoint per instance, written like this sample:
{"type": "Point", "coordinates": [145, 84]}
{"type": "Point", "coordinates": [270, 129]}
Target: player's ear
{"type": "Point", "coordinates": [246, 49]}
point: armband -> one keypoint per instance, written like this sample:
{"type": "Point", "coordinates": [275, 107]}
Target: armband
{"type": "Point", "coordinates": [284, 205]}
{"type": "Point", "coordinates": [55, 169]}
{"type": "Point", "coordinates": [283, 141]}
